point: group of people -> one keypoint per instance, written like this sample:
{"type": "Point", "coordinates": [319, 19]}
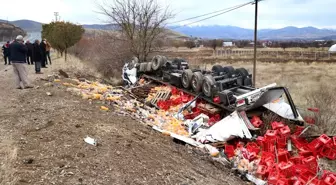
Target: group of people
{"type": "Point", "coordinates": [18, 54]}
{"type": "Point", "coordinates": [44, 49]}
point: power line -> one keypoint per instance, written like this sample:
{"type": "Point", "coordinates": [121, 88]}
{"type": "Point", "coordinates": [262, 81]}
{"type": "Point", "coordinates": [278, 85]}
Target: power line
{"type": "Point", "coordinates": [204, 14]}
{"type": "Point", "coordinates": [229, 10]}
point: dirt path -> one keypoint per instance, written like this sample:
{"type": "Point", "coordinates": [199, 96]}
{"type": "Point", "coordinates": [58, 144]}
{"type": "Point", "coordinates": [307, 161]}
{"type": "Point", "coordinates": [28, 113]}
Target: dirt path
{"type": "Point", "coordinates": [41, 142]}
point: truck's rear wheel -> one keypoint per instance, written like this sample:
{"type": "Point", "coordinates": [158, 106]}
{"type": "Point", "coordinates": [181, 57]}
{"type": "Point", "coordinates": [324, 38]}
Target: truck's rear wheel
{"type": "Point", "coordinates": [158, 61]}
{"type": "Point", "coordinates": [207, 86]}
{"type": "Point", "coordinates": [229, 70]}
{"type": "Point", "coordinates": [217, 69]}
{"type": "Point", "coordinates": [186, 78]}
{"type": "Point", "coordinates": [197, 81]}
{"type": "Point", "coordinates": [242, 72]}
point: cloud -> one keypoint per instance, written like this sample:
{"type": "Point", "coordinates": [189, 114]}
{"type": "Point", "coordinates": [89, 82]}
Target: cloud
{"type": "Point", "coordinates": [272, 13]}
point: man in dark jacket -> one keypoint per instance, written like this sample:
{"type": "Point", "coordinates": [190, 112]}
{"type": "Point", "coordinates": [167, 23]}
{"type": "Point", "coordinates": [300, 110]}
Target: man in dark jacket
{"type": "Point", "coordinates": [43, 46]}
{"type": "Point", "coordinates": [5, 50]}
{"type": "Point", "coordinates": [30, 52]}
{"type": "Point", "coordinates": [37, 56]}
{"type": "Point", "coordinates": [18, 52]}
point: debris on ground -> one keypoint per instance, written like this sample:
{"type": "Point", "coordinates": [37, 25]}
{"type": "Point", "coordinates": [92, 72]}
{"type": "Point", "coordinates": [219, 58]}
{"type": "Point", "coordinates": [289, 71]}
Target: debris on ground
{"type": "Point", "coordinates": [276, 155]}
{"type": "Point", "coordinates": [90, 141]}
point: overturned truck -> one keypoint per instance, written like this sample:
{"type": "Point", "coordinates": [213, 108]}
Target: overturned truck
{"type": "Point", "coordinates": [223, 86]}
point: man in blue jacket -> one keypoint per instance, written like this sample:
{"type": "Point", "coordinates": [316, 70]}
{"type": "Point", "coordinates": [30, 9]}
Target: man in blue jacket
{"type": "Point", "coordinates": [18, 52]}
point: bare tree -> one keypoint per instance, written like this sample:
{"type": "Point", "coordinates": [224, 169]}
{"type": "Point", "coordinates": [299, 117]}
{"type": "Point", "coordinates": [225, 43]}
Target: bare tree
{"type": "Point", "coordinates": [140, 21]}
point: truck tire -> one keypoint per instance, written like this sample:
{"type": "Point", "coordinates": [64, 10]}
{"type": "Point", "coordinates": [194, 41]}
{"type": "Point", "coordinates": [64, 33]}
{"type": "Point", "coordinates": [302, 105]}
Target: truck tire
{"type": "Point", "coordinates": [186, 78]}
{"type": "Point", "coordinates": [242, 72]}
{"type": "Point", "coordinates": [149, 67]}
{"type": "Point", "coordinates": [217, 69]}
{"type": "Point", "coordinates": [143, 67]}
{"type": "Point", "coordinates": [197, 81]}
{"type": "Point", "coordinates": [229, 70]}
{"type": "Point", "coordinates": [158, 61]}
{"type": "Point", "coordinates": [207, 86]}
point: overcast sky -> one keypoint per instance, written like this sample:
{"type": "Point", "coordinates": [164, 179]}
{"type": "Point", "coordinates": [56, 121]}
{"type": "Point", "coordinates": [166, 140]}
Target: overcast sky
{"type": "Point", "coordinates": [272, 13]}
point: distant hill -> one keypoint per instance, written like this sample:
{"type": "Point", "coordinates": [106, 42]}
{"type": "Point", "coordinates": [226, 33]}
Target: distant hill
{"type": "Point", "coordinates": [232, 32]}
{"type": "Point", "coordinates": [9, 31]}
{"type": "Point", "coordinates": [27, 25]}
{"type": "Point", "coordinates": [215, 31]}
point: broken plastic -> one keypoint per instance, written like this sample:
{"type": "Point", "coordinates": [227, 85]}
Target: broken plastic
{"type": "Point", "coordinates": [90, 141]}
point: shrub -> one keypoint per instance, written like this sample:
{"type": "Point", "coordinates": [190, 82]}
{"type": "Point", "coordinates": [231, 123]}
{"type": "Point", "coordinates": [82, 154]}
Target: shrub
{"type": "Point", "coordinates": [324, 99]}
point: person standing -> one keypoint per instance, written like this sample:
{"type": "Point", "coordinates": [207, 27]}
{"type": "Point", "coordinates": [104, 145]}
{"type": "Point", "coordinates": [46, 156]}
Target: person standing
{"type": "Point", "coordinates": [37, 56]}
{"type": "Point", "coordinates": [43, 46]}
{"type": "Point", "coordinates": [30, 52]}
{"type": "Point", "coordinates": [18, 52]}
{"type": "Point", "coordinates": [48, 48]}
{"type": "Point", "coordinates": [6, 53]}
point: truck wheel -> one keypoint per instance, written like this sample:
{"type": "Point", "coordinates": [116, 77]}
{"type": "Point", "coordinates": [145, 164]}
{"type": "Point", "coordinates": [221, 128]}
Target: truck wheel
{"type": "Point", "coordinates": [242, 72]}
{"type": "Point", "coordinates": [149, 67]}
{"type": "Point", "coordinates": [186, 78]}
{"type": "Point", "coordinates": [207, 86]}
{"type": "Point", "coordinates": [217, 69]}
{"type": "Point", "coordinates": [197, 81]}
{"type": "Point", "coordinates": [143, 67]}
{"type": "Point", "coordinates": [229, 70]}
{"type": "Point", "coordinates": [158, 61]}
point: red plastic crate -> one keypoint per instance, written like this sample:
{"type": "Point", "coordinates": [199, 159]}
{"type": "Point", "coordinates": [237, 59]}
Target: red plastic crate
{"type": "Point", "coordinates": [305, 152]}
{"type": "Point", "coordinates": [229, 150]}
{"type": "Point", "coordinates": [311, 162]}
{"type": "Point", "coordinates": [325, 139]}
{"type": "Point", "coordinates": [334, 141]}
{"type": "Point", "coordinates": [269, 146]}
{"type": "Point", "coordinates": [256, 121]}
{"type": "Point", "coordinates": [262, 170]}
{"type": "Point", "coordinates": [292, 180]}
{"type": "Point", "coordinates": [282, 181]}
{"type": "Point", "coordinates": [299, 169]}
{"type": "Point", "coordinates": [299, 142]}
{"type": "Point", "coordinates": [276, 125]}
{"type": "Point", "coordinates": [267, 156]}
{"type": "Point", "coordinates": [286, 168]}
{"type": "Point", "coordinates": [260, 141]}
{"type": "Point", "coordinates": [281, 142]}
{"type": "Point", "coordinates": [328, 152]}
{"type": "Point", "coordinates": [271, 135]}
{"type": "Point", "coordinates": [330, 180]}
{"type": "Point", "coordinates": [253, 147]}
{"type": "Point", "coordinates": [306, 176]}
{"type": "Point", "coordinates": [273, 177]}
{"type": "Point", "coordinates": [251, 156]}
{"type": "Point", "coordinates": [316, 182]}
{"type": "Point", "coordinates": [299, 182]}
{"type": "Point", "coordinates": [296, 160]}
{"type": "Point", "coordinates": [283, 155]}
{"type": "Point", "coordinates": [285, 131]}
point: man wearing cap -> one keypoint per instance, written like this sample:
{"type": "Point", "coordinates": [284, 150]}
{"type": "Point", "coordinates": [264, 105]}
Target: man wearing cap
{"type": "Point", "coordinates": [18, 52]}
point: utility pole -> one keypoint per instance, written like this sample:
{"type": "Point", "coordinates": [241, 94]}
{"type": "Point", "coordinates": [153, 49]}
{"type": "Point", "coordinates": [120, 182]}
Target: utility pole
{"type": "Point", "coordinates": [255, 42]}
{"type": "Point", "coordinates": [56, 16]}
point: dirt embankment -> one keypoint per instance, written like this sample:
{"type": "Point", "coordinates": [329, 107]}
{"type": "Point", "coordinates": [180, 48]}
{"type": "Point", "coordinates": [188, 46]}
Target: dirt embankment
{"type": "Point", "coordinates": [42, 143]}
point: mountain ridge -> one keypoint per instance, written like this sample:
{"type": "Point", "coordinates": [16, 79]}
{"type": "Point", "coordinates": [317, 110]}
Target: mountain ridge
{"type": "Point", "coordinates": [216, 31]}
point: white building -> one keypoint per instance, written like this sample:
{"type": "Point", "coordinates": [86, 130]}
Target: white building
{"type": "Point", "coordinates": [227, 44]}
